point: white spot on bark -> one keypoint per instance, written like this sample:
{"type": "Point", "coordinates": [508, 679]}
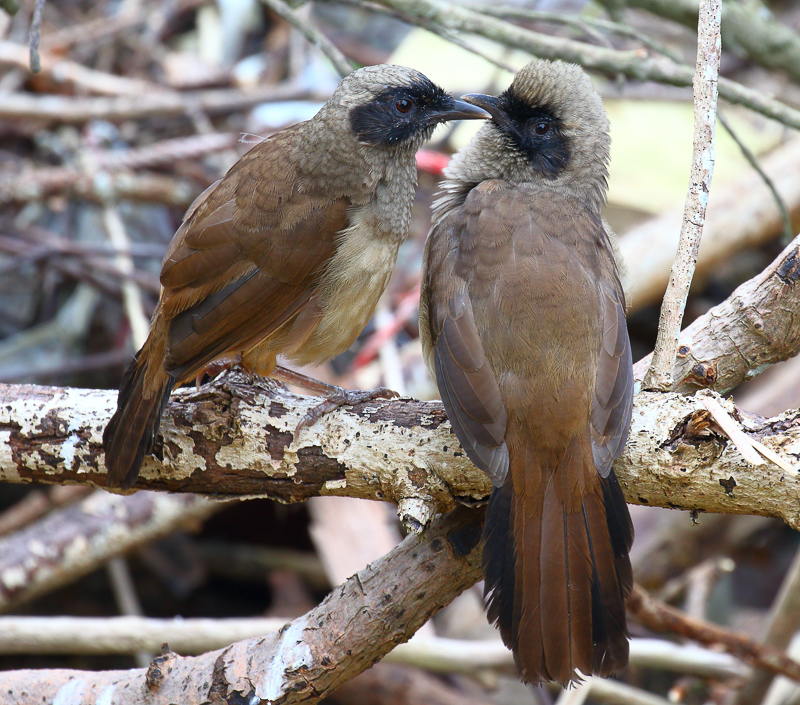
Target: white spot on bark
{"type": "Point", "coordinates": [68, 450]}
{"type": "Point", "coordinates": [335, 484]}
{"type": "Point", "coordinates": [70, 693]}
{"type": "Point", "coordinates": [291, 654]}
{"type": "Point", "coordinates": [13, 578]}
{"type": "Point", "coordinates": [106, 695]}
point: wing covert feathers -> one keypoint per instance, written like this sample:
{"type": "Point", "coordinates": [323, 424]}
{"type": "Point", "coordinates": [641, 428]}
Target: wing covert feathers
{"type": "Point", "coordinates": [248, 257]}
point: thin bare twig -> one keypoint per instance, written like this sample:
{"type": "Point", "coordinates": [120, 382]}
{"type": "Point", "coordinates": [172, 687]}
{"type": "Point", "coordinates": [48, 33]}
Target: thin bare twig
{"type": "Point", "coordinates": [788, 233]}
{"type": "Point", "coordinates": [660, 617]}
{"type": "Point", "coordinates": [783, 622]}
{"type": "Point", "coordinates": [124, 635]}
{"type": "Point", "coordinates": [64, 109]}
{"type": "Point", "coordinates": [131, 292]}
{"type": "Point", "coordinates": [588, 25]}
{"type": "Point", "coordinates": [659, 376]}
{"type": "Point", "coordinates": [747, 27]}
{"type": "Point", "coordinates": [36, 35]}
{"type": "Point", "coordinates": [128, 602]}
{"type": "Point", "coordinates": [613, 62]}
{"type": "Point", "coordinates": [340, 62]}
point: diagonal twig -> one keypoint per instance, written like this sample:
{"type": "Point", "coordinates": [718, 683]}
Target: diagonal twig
{"type": "Point", "coordinates": [660, 617]}
{"type": "Point", "coordinates": [340, 62]}
{"type": "Point", "coordinates": [357, 624]}
{"type": "Point", "coordinates": [786, 218]}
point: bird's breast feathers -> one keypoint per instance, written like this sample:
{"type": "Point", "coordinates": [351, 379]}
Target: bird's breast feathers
{"type": "Point", "coordinates": [353, 281]}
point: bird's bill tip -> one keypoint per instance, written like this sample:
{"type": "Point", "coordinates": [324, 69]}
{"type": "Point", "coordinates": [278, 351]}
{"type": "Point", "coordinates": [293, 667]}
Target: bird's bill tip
{"type": "Point", "coordinates": [461, 110]}
{"type": "Point", "coordinates": [487, 103]}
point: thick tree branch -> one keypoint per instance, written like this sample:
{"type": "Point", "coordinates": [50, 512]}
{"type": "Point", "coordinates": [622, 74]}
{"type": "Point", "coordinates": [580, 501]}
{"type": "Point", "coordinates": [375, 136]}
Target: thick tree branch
{"type": "Point", "coordinates": [380, 607]}
{"type": "Point", "coordinates": [752, 329]}
{"type": "Point", "coordinates": [235, 439]}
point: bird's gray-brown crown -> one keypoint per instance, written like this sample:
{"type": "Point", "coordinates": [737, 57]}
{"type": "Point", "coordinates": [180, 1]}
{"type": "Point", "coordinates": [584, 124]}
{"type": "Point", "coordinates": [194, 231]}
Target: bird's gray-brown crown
{"type": "Point", "coordinates": [396, 106]}
{"type": "Point", "coordinates": [548, 125]}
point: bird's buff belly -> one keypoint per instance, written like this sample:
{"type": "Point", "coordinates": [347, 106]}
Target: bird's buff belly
{"type": "Point", "coordinates": [346, 301]}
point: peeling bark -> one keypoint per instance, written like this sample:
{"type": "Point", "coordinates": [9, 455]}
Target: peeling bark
{"type": "Point", "coordinates": [235, 439]}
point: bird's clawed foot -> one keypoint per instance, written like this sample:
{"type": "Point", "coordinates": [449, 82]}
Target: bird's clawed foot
{"type": "Point", "coordinates": [226, 363]}
{"type": "Point", "coordinates": [342, 397]}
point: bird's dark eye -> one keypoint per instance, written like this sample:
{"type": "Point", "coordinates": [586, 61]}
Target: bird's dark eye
{"type": "Point", "coordinates": [541, 128]}
{"type": "Point", "coordinates": [403, 105]}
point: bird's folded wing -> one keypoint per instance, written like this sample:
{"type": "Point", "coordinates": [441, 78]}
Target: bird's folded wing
{"type": "Point", "coordinates": [246, 259]}
{"type": "Point", "coordinates": [467, 385]}
{"type": "Point", "coordinates": [613, 392]}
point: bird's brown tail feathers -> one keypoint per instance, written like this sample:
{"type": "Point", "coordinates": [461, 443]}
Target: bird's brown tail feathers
{"type": "Point", "coordinates": [556, 567]}
{"type": "Point", "coordinates": [130, 433]}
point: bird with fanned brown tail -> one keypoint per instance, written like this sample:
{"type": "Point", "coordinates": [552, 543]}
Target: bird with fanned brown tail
{"type": "Point", "coordinates": [522, 318]}
{"type": "Point", "coordinates": [288, 253]}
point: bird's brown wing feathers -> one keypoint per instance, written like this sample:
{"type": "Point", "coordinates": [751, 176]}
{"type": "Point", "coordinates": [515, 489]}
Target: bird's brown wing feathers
{"type": "Point", "coordinates": [613, 392]}
{"type": "Point", "coordinates": [246, 259]}
{"type": "Point", "coordinates": [467, 385]}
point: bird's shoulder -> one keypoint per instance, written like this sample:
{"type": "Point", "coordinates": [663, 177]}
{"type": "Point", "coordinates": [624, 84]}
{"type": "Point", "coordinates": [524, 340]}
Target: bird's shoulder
{"type": "Point", "coordinates": [262, 215]}
{"type": "Point", "coordinates": [534, 224]}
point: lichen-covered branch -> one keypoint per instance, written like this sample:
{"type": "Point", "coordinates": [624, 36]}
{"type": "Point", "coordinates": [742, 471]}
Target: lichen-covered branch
{"type": "Point", "coordinates": [357, 624]}
{"type": "Point", "coordinates": [235, 438]}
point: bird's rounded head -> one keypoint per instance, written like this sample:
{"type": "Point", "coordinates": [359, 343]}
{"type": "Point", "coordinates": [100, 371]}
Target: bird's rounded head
{"type": "Point", "coordinates": [549, 125]}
